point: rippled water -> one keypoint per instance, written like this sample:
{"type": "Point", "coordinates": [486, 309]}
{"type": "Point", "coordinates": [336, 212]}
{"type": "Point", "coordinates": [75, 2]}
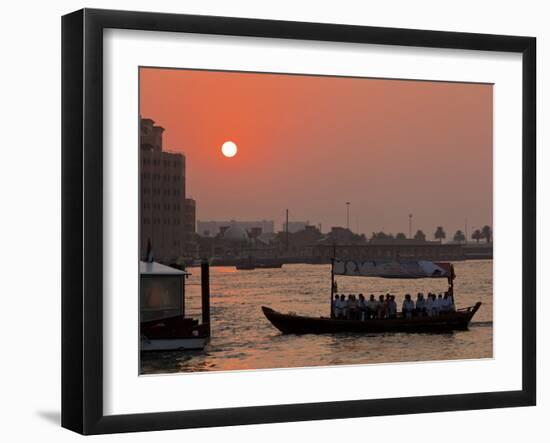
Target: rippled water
{"type": "Point", "coordinates": [242, 338]}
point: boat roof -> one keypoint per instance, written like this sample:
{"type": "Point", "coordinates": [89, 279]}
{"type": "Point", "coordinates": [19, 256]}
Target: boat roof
{"type": "Point", "coordinates": [393, 269]}
{"type": "Point", "coordinates": [154, 268]}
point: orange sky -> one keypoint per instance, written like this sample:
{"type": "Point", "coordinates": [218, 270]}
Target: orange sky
{"type": "Point", "coordinates": [310, 144]}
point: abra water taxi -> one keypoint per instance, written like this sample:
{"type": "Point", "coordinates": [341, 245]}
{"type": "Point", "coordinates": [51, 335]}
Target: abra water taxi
{"type": "Point", "coordinates": [453, 320]}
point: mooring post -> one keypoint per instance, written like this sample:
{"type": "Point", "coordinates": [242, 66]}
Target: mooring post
{"type": "Point", "coordinates": [205, 291]}
{"type": "Point", "coordinates": [332, 259]}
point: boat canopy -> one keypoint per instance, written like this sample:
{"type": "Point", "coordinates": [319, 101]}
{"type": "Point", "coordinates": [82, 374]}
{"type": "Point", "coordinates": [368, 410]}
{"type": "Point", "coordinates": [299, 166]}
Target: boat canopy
{"type": "Point", "coordinates": [393, 269]}
{"type": "Point", "coordinates": [154, 268]}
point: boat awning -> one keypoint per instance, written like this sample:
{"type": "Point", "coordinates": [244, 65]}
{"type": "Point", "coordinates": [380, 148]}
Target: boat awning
{"type": "Point", "coordinates": [393, 269]}
{"type": "Point", "coordinates": [154, 268]}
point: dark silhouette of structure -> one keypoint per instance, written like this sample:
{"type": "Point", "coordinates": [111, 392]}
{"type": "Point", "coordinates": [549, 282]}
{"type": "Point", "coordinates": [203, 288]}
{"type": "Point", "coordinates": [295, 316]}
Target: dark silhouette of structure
{"type": "Point", "coordinates": [167, 217]}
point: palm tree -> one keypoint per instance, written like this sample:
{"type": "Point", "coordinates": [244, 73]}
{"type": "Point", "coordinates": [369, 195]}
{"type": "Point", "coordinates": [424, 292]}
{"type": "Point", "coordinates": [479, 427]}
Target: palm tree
{"type": "Point", "coordinates": [420, 235]}
{"type": "Point", "coordinates": [439, 234]}
{"type": "Point", "coordinates": [459, 236]}
{"type": "Point", "coordinates": [477, 235]}
{"type": "Point", "coordinates": [487, 233]}
{"type": "Point", "coordinates": [381, 236]}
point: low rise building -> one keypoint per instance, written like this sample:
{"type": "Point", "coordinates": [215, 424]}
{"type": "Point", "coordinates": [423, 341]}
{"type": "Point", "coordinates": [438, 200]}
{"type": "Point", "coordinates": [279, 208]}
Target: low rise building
{"type": "Point", "coordinates": [391, 250]}
{"type": "Point", "coordinates": [295, 226]}
{"type": "Point", "coordinates": [211, 228]}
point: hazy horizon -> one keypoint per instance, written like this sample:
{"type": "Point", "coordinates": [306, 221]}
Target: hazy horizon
{"type": "Point", "coordinates": [310, 144]}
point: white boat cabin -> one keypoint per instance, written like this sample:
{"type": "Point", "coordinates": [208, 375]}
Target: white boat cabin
{"type": "Point", "coordinates": [162, 291]}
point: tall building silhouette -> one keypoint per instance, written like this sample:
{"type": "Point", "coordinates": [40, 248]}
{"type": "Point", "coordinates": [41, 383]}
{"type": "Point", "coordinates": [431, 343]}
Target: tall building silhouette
{"type": "Point", "coordinates": [167, 217]}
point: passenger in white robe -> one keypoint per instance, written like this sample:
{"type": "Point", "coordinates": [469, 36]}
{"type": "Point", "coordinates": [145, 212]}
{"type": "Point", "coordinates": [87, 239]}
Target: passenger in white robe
{"type": "Point", "coordinates": [430, 305]}
{"type": "Point", "coordinates": [362, 306]}
{"type": "Point", "coordinates": [344, 306]}
{"type": "Point", "coordinates": [392, 307]}
{"type": "Point", "coordinates": [336, 306]}
{"type": "Point", "coordinates": [439, 303]}
{"type": "Point", "coordinates": [446, 304]}
{"type": "Point", "coordinates": [372, 307]}
{"type": "Point", "coordinates": [420, 307]}
{"type": "Point", "coordinates": [408, 306]}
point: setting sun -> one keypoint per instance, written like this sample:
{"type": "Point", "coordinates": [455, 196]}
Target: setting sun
{"type": "Point", "coordinates": [229, 149]}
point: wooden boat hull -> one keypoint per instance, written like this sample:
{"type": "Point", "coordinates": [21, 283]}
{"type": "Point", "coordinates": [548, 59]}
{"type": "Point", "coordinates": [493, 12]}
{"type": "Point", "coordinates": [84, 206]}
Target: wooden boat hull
{"type": "Point", "coordinates": [296, 324]}
{"type": "Point", "coordinates": [173, 344]}
{"type": "Point", "coordinates": [172, 334]}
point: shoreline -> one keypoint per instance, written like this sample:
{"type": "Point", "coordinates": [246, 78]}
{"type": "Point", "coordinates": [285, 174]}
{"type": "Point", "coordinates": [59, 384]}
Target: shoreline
{"type": "Point", "coordinates": [297, 261]}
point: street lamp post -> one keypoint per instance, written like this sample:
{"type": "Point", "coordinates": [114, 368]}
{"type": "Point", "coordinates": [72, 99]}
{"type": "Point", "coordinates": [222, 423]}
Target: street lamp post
{"type": "Point", "coordinates": [347, 214]}
{"type": "Point", "coordinates": [410, 225]}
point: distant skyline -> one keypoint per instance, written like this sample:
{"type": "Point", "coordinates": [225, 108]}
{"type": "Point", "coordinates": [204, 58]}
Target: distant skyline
{"type": "Point", "coordinates": [310, 144]}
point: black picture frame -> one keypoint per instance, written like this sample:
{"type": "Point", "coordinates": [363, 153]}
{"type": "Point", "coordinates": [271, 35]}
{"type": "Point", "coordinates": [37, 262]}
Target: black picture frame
{"type": "Point", "coordinates": [82, 218]}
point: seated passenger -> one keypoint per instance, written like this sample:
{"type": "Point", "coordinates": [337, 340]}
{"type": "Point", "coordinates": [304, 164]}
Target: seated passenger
{"type": "Point", "coordinates": [450, 301]}
{"type": "Point", "coordinates": [446, 304]}
{"type": "Point", "coordinates": [408, 306]}
{"type": "Point", "coordinates": [381, 307]}
{"type": "Point", "coordinates": [439, 303]}
{"type": "Point", "coordinates": [372, 307]}
{"type": "Point", "coordinates": [352, 307]}
{"type": "Point", "coordinates": [361, 305]}
{"type": "Point", "coordinates": [336, 307]}
{"type": "Point", "coordinates": [357, 308]}
{"type": "Point", "coordinates": [431, 305]}
{"type": "Point", "coordinates": [392, 307]}
{"type": "Point", "coordinates": [420, 308]}
{"type": "Point", "coordinates": [344, 306]}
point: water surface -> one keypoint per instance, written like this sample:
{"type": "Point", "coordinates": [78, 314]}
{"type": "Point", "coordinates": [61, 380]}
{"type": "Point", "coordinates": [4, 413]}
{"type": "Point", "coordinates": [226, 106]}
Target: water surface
{"type": "Point", "coordinates": [242, 338]}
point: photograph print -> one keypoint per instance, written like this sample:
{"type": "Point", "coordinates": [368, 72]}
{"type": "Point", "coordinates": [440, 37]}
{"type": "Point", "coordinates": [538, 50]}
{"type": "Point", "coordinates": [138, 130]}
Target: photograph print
{"type": "Point", "coordinates": [292, 220]}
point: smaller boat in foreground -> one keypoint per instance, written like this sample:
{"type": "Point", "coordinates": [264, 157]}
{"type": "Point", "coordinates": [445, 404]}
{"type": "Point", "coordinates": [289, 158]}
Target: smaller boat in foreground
{"type": "Point", "coordinates": [163, 324]}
